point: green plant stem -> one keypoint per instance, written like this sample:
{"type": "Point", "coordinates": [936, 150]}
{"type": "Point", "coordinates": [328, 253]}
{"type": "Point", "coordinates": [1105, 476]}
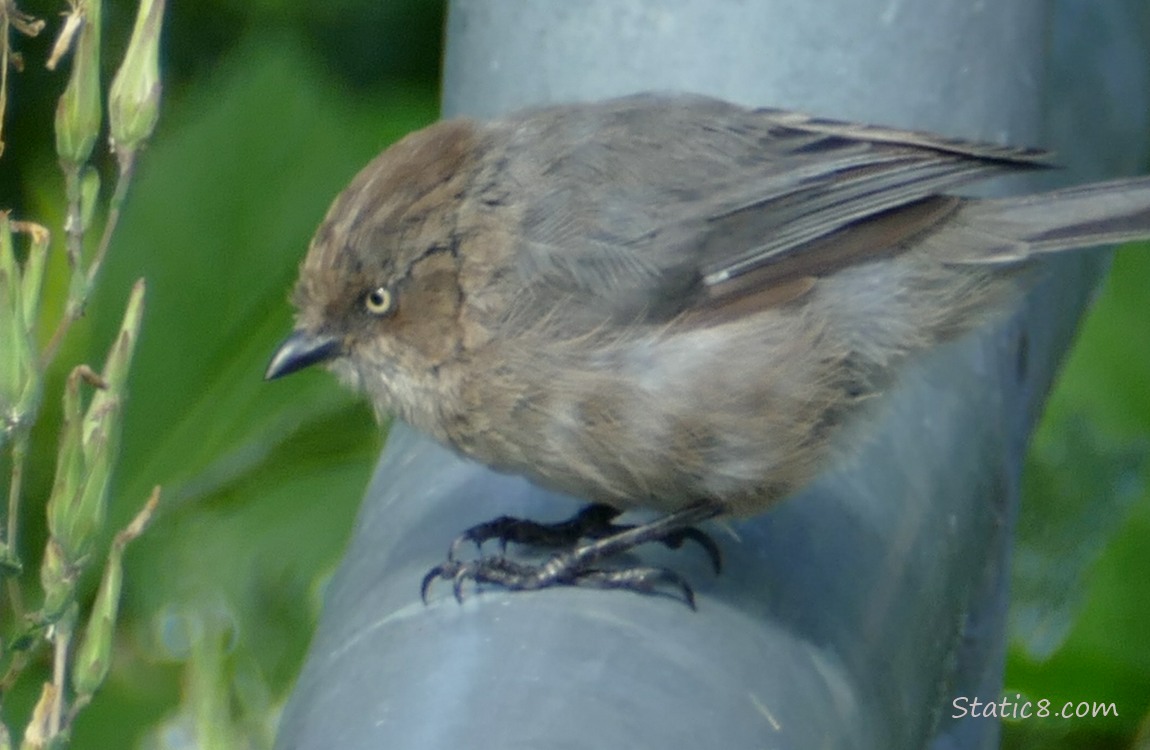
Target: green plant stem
{"type": "Point", "coordinates": [74, 220]}
{"type": "Point", "coordinates": [123, 180]}
{"type": "Point", "coordinates": [77, 706]}
{"type": "Point", "coordinates": [77, 302]}
{"type": "Point", "coordinates": [74, 245]}
{"type": "Point", "coordinates": [19, 454]}
{"type": "Point", "coordinates": [62, 639]}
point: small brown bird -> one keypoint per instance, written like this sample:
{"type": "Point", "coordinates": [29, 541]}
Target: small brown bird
{"type": "Point", "coordinates": [668, 302]}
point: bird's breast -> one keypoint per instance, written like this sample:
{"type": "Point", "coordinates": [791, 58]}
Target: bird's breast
{"type": "Point", "coordinates": [658, 419]}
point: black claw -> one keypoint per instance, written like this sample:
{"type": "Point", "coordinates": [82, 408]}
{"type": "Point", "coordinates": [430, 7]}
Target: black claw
{"type": "Point", "coordinates": [641, 580]}
{"type": "Point", "coordinates": [457, 584]}
{"type": "Point", "coordinates": [704, 540]}
{"type": "Point", "coordinates": [439, 571]}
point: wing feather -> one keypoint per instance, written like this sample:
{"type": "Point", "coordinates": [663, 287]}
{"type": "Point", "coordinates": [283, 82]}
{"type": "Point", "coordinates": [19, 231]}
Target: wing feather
{"type": "Point", "coordinates": [651, 204]}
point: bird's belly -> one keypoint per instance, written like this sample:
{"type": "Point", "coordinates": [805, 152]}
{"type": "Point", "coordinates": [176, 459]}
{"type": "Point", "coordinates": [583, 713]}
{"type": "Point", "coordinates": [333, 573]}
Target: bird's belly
{"type": "Point", "coordinates": [734, 415]}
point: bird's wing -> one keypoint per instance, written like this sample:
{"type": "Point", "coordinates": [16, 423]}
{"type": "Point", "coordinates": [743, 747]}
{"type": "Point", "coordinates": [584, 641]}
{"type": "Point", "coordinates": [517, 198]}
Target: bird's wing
{"type": "Point", "coordinates": [651, 205]}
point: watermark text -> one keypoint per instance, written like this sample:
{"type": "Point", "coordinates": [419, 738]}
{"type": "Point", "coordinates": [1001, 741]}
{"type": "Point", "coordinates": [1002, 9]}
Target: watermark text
{"type": "Point", "coordinates": [1020, 707]}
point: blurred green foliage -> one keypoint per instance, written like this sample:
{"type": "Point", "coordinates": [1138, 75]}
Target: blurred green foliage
{"type": "Point", "coordinates": [270, 107]}
{"type": "Point", "coordinates": [1081, 600]}
{"type": "Point", "coordinates": [269, 110]}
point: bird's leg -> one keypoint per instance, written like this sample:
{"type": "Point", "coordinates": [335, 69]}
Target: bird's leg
{"type": "Point", "coordinates": [577, 566]}
{"type": "Point", "coordinates": [592, 522]}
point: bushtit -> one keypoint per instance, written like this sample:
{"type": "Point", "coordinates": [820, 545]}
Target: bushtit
{"type": "Point", "coordinates": [667, 302]}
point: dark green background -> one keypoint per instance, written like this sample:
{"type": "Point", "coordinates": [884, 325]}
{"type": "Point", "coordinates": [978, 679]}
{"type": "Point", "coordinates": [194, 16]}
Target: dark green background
{"type": "Point", "coordinates": [270, 107]}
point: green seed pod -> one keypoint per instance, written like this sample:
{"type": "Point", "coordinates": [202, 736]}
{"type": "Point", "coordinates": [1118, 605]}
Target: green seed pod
{"type": "Point", "coordinates": [120, 355]}
{"type": "Point", "coordinates": [11, 324]}
{"type": "Point", "coordinates": [81, 520]}
{"type": "Point", "coordinates": [94, 656]}
{"type": "Point", "coordinates": [86, 515]}
{"type": "Point", "coordinates": [134, 101]}
{"type": "Point", "coordinates": [33, 277]}
{"type": "Point", "coordinates": [78, 111]}
{"type": "Point", "coordinates": [19, 371]}
{"type": "Point", "coordinates": [58, 579]}
{"type": "Point", "coordinates": [69, 480]}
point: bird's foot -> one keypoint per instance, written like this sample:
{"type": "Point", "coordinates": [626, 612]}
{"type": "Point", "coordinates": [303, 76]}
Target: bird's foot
{"type": "Point", "coordinates": [562, 569]}
{"type": "Point", "coordinates": [579, 564]}
{"type": "Point", "coordinates": [592, 522]}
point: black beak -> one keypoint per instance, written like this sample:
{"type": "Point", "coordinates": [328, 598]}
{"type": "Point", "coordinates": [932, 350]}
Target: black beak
{"type": "Point", "coordinates": [300, 350]}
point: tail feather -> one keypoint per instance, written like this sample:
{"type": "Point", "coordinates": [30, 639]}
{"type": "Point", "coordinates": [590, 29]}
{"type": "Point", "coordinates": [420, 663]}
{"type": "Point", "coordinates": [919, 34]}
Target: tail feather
{"type": "Point", "coordinates": [1011, 230]}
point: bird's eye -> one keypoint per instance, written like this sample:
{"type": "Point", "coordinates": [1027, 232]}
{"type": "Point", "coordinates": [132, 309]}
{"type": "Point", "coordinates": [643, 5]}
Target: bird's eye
{"type": "Point", "coordinates": [378, 301]}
